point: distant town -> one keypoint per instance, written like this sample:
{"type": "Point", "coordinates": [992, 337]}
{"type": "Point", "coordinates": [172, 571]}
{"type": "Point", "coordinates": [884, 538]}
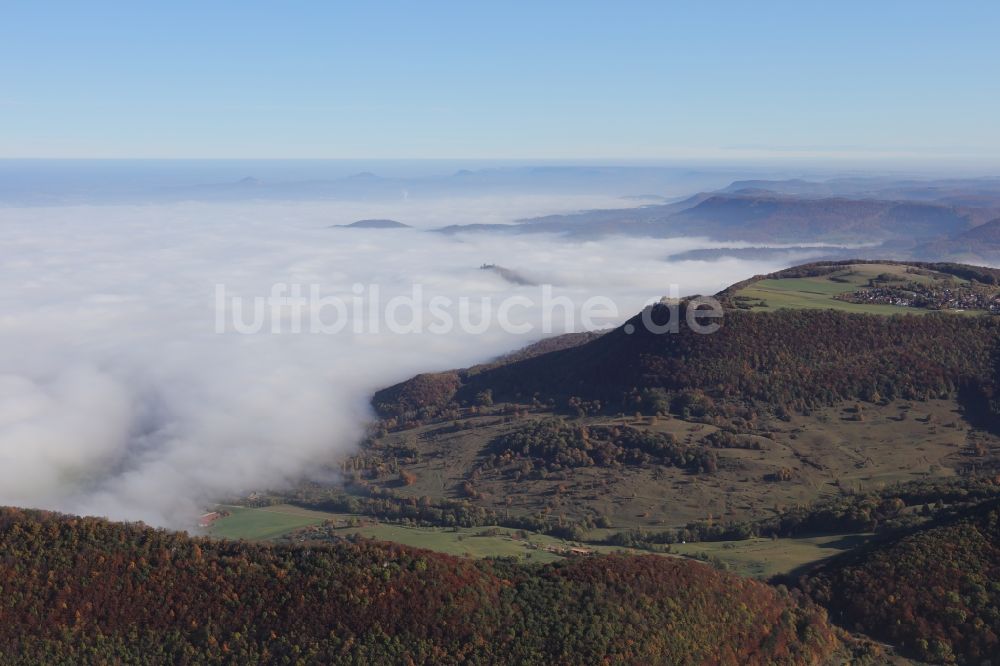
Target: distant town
{"type": "Point", "coordinates": [928, 297]}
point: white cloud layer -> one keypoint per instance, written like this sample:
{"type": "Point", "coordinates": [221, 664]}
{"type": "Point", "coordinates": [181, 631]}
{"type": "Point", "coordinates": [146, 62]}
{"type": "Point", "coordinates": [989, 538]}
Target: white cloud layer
{"type": "Point", "coordinates": [118, 398]}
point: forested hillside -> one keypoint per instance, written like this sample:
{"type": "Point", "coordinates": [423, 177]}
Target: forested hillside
{"type": "Point", "coordinates": [758, 361]}
{"type": "Point", "coordinates": [934, 593]}
{"type": "Point", "coordinates": [83, 590]}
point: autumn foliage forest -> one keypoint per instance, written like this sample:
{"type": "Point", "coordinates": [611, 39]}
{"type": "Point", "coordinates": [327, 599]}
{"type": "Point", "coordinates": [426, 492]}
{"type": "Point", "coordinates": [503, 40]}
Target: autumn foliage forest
{"type": "Point", "coordinates": [758, 362]}
{"type": "Point", "coordinates": [84, 590]}
{"type": "Point", "coordinates": [935, 592]}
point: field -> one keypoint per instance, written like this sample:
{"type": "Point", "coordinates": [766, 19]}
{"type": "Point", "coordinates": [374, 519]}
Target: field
{"type": "Point", "coordinates": [282, 520]}
{"type": "Point", "coordinates": [264, 523]}
{"type": "Point", "coordinates": [764, 558]}
{"type": "Point", "coordinates": [818, 292]}
{"type": "Point", "coordinates": [758, 558]}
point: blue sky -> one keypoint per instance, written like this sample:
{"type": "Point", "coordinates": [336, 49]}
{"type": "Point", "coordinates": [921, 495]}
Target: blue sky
{"type": "Point", "coordinates": [628, 80]}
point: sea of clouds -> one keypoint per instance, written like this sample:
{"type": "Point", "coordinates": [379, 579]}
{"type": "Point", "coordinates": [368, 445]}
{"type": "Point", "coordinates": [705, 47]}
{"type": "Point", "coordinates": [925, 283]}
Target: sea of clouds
{"type": "Point", "coordinates": [120, 397]}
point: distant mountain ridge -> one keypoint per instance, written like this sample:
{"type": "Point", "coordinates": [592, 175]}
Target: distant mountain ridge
{"type": "Point", "coordinates": [934, 220]}
{"type": "Point", "coordinates": [763, 217]}
{"type": "Point", "coordinates": [984, 233]}
{"type": "Point", "coordinates": [970, 191]}
{"type": "Point", "coordinates": [978, 244]}
{"type": "Point", "coordinates": [63, 182]}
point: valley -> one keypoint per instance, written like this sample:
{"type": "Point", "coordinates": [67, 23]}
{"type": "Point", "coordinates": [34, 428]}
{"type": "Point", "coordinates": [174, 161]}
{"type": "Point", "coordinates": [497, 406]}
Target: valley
{"type": "Point", "coordinates": [795, 447]}
{"type": "Point", "coordinates": [834, 450]}
{"type": "Point", "coordinates": [808, 437]}
{"type": "Point", "coordinates": [761, 558]}
{"type": "Point", "coordinates": [438, 471]}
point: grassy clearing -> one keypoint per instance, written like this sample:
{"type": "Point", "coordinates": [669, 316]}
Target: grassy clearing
{"type": "Point", "coordinates": [764, 558]}
{"type": "Point", "coordinates": [467, 542]}
{"type": "Point", "coordinates": [818, 292]}
{"type": "Point", "coordinates": [759, 558]}
{"type": "Point", "coordinates": [777, 295]}
{"type": "Point", "coordinates": [264, 523]}
{"type": "Point", "coordinates": [273, 522]}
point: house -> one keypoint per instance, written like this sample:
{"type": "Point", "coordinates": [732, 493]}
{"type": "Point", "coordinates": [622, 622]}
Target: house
{"type": "Point", "coordinates": [207, 519]}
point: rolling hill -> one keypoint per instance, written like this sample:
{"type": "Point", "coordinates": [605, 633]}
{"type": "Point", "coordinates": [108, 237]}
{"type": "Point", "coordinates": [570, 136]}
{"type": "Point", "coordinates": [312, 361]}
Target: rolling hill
{"type": "Point", "coordinates": [981, 243]}
{"type": "Point", "coordinates": [934, 220]}
{"type": "Point", "coordinates": [780, 355]}
{"type": "Point", "coordinates": [841, 431]}
{"type": "Point", "coordinates": [688, 434]}
{"type": "Point", "coordinates": [372, 224]}
{"type": "Point", "coordinates": [83, 590]}
{"type": "Point", "coordinates": [763, 216]}
{"type": "Point", "coordinates": [984, 233]}
{"type": "Point", "coordinates": [934, 592]}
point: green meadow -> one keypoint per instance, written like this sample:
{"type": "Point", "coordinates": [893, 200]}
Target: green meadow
{"type": "Point", "coordinates": [759, 558]}
{"type": "Point", "coordinates": [818, 292]}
